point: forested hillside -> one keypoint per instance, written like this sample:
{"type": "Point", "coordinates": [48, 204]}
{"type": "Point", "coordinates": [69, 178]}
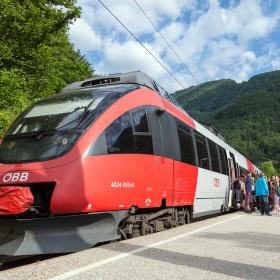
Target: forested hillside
{"type": "Point", "coordinates": [248, 114]}
{"type": "Point", "coordinates": [36, 57]}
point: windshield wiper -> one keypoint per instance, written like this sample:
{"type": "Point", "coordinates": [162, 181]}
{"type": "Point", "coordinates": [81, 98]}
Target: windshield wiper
{"type": "Point", "coordinates": [39, 134]}
{"type": "Point", "coordinates": [85, 108]}
{"type": "Point", "coordinates": [34, 135]}
{"type": "Point", "coordinates": [79, 108]}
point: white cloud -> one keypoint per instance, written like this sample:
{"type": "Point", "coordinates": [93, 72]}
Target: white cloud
{"type": "Point", "coordinates": [218, 41]}
{"type": "Point", "coordinates": [215, 42]}
{"type": "Point", "coordinates": [84, 37]}
{"type": "Point", "coordinates": [271, 57]}
{"type": "Point", "coordinates": [127, 56]}
{"type": "Point", "coordinates": [128, 12]}
{"type": "Point", "coordinates": [130, 56]}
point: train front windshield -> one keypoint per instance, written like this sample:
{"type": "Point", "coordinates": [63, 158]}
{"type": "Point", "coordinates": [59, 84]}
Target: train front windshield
{"type": "Point", "coordinates": [51, 127]}
{"type": "Point", "coordinates": [56, 114]}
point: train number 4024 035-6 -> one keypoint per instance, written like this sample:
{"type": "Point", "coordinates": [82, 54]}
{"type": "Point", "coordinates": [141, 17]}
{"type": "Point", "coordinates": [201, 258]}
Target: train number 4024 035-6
{"type": "Point", "coordinates": [122, 184]}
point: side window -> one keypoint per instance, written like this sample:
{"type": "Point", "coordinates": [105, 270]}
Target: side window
{"type": "Point", "coordinates": [202, 152]}
{"type": "Point", "coordinates": [214, 156]}
{"type": "Point", "coordinates": [119, 136]}
{"type": "Point", "coordinates": [129, 134]}
{"type": "Point", "coordinates": [223, 159]}
{"type": "Point", "coordinates": [140, 122]}
{"type": "Point", "coordinates": [143, 143]}
{"type": "Point", "coordinates": [186, 144]}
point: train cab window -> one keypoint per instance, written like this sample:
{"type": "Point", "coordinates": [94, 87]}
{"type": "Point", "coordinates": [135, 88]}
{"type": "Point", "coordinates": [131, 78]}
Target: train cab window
{"type": "Point", "coordinates": [119, 136]}
{"type": "Point", "coordinates": [143, 143]}
{"type": "Point", "coordinates": [223, 160]}
{"type": "Point", "coordinates": [202, 151]}
{"type": "Point", "coordinates": [214, 156]}
{"type": "Point", "coordinates": [129, 134]}
{"type": "Point", "coordinates": [140, 122]}
{"type": "Point", "coordinates": [186, 144]}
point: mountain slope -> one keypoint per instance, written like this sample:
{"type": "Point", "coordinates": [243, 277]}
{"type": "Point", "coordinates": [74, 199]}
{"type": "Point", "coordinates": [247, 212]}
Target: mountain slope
{"type": "Point", "coordinates": [248, 114]}
{"type": "Point", "coordinates": [208, 97]}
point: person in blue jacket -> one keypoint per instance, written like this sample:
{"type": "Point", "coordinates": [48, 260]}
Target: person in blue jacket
{"type": "Point", "coordinates": [262, 193]}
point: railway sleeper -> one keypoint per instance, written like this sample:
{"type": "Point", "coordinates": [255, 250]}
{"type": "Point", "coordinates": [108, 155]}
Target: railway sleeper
{"type": "Point", "coordinates": [139, 224]}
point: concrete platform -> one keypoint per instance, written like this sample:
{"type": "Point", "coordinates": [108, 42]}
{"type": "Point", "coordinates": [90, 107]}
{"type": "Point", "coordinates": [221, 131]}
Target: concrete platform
{"type": "Point", "coordinates": [233, 246]}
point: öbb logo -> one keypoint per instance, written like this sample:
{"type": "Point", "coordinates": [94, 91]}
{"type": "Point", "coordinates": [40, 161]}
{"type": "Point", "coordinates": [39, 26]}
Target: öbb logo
{"type": "Point", "coordinates": [13, 177]}
{"type": "Point", "coordinates": [217, 182]}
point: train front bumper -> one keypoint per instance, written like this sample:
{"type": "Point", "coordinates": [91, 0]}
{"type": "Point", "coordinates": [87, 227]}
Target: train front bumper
{"type": "Point", "coordinates": [61, 234]}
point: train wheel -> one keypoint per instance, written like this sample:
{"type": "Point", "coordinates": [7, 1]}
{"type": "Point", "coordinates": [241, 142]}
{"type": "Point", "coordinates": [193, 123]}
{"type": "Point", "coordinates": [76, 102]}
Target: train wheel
{"type": "Point", "coordinates": [188, 216]}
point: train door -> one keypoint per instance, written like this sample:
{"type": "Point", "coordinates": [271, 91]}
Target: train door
{"type": "Point", "coordinates": [163, 151]}
{"type": "Point", "coordinates": [233, 175]}
{"type": "Point", "coordinates": [185, 164]}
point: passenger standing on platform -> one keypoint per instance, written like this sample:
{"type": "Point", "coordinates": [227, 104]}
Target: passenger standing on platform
{"type": "Point", "coordinates": [242, 190]}
{"type": "Point", "coordinates": [248, 189]}
{"type": "Point", "coordinates": [262, 194]}
{"type": "Point", "coordinates": [236, 192]}
{"type": "Point", "coordinates": [271, 191]}
{"type": "Point", "coordinates": [272, 196]}
{"type": "Point", "coordinates": [253, 201]}
{"type": "Point", "coordinates": [278, 192]}
{"type": "Point", "coordinates": [274, 192]}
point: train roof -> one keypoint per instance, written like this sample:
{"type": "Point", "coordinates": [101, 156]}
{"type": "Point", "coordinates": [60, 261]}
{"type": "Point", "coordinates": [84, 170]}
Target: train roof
{"type": "Point", "coordinates": [134, 77]}
{"type": "Point", "coordinates": [214, 130]}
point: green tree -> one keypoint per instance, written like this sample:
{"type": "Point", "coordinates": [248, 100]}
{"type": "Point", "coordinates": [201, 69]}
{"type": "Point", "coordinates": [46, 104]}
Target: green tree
{"type": "Point", "coordinates": [36, 57]}
{"type": "Point", "coordinates": [268, 168]}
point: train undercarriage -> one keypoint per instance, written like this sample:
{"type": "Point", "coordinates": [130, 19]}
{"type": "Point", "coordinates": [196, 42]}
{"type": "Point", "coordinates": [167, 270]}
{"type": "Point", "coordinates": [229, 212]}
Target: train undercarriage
{"type": "Point", "coordinates": [62, 234]}
{"type": "Point", "coordinates": [141, 222]}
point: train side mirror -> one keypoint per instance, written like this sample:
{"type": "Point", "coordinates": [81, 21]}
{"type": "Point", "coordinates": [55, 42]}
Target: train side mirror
{"type": "Point", "coordinates": [159, 112]}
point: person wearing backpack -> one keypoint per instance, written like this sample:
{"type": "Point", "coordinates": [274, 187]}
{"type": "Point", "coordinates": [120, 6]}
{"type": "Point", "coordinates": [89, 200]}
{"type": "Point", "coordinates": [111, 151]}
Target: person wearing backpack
{"type": "Point", "coordinates": [262, 194]}
{"type": "Point", "coordinates": [278, 194]}
{"type": "Point", "coordinates": [274, 194]}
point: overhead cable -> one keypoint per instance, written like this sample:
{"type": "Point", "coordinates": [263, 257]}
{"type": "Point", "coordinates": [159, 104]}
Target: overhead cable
{"type": "Point", "coordinates": [166, 41]}
{"type": "Point", "coordinates": [131, 33]}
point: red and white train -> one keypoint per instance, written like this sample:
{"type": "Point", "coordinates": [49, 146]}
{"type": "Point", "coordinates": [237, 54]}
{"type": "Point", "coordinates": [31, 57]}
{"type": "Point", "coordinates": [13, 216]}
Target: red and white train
{"type": "Point", "coordinates": [109, 157]}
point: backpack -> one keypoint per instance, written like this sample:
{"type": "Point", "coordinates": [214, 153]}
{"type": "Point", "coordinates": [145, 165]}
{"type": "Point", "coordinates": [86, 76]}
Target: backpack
{"type": "Point", "coordinates": [278, 191]}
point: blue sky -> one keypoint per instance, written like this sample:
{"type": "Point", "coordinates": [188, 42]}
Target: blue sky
{"type": "Point", "coordinates": [233, 39]}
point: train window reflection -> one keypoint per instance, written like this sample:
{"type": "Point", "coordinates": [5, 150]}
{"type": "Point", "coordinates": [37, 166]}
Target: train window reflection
{"type": "Point", "coordinates": [140, 122]}
{"type": "Point", "coordinates": [119, 136]}
{"type": "Point", "coordinates": [223, 159]}
{"type": "Point", "coordinates": [121, 139]}
{"type": "Point", "coordinates": [143, 144]}
{"type": "Point", "coordinates": [214, 156]}
{"type": "Point", "coordinates": [186, 145]}
{"type": "Point", "coordinates": [202, 153]}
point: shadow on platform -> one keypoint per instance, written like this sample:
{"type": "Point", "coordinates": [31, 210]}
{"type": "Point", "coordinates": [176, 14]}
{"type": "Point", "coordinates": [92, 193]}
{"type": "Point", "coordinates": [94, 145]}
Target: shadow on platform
{"type": "Point", "coordinates": [259, 241]}
{"type": "Point", "coordinates": [230, 268]}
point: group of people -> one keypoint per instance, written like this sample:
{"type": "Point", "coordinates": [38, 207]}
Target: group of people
{"type": "Point", "coordinates": [257, 192]}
